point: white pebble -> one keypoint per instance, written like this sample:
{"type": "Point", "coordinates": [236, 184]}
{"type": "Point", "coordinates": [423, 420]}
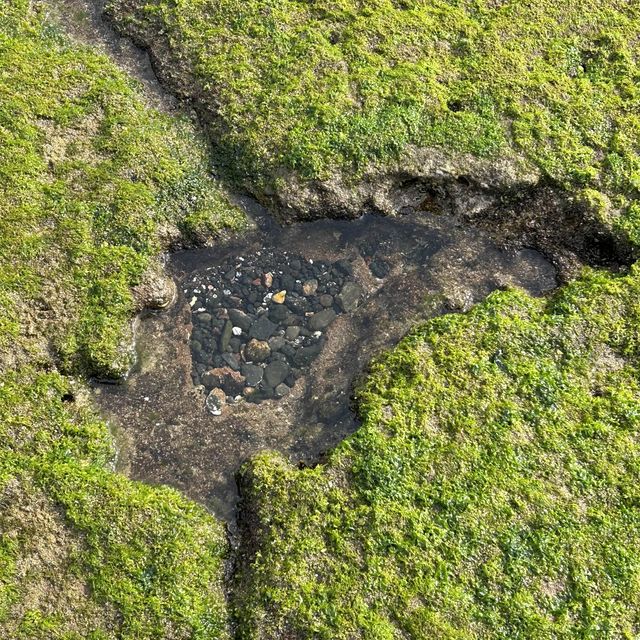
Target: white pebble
{"type": "Point", "coordinates": [199, 310]}
{"type": "Point", "coordinates": [193, 301]}
{"type": "Point", "coordinates": [237, 331]}
{"type": "Point", "coordinates": [317, 334]}
{"type": "Point", "coordinates": [227, 292]}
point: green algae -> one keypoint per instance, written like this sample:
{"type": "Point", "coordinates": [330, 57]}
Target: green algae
{"type": "Point", "coordinates": [491, 491]}
{"type": "Point", "coordinates": [93, 182]}
{"type": "Point", "coordinates": [93, 185]}
{"type": "Point", "coordinates": [321, 87]}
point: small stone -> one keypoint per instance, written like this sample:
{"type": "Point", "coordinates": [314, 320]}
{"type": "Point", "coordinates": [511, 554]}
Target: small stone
{"type": "Point", "coordinates": [257, 350]}
{"type": "Point", "coordinates": [279, 313]}
{"type": "Point", "coordinates": [276, 343]}
{"type": "Point", "coordinates": [237, 331]}
{"type": "Point", "coordinates": [379, 268]}
{"type": "Point", "coordinates": [275, 373]}
{"type": "Point", "coordinates": [345, 267]}
{"type": "Point", "coordinates": [232, 360]}
{"type": "Point", "coordinates": [262, 329]}
{"type": "Point", "coordinates": [326, 300]}
{"type": "Point", "coordinates": [349, 297]}
{"type": "Point", "coordinates": [309, 287]}
{"type": "Point", "coordinates": [240, 319]}
{"type": "Point", "coordinates": [322, 319]}
{"type": "Point", "coordinates": [282, 390]}
{"type": "Point", "coordinates": [267, 279]}
{"type": "Point", "coordinates": [225, 378]}
{"type": "Point", "coordinates": [204, 318]}
{"type": "Point", "coordinates": [288, 351]}
{"type": "Point", "coordinates": [252, 374]}
{"type": "Point", "coordinates": [215, 401]}
{"type": "Point", "coordinates": [279, 297]}
{"type": "Point", "coordinates": [227, 332]}
{"type": "Point", "coordinates": [292, 333]}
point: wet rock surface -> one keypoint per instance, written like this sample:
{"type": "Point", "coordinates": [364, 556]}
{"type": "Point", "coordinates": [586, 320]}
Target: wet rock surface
{"type": "Point", "coordinates": [352, 288]}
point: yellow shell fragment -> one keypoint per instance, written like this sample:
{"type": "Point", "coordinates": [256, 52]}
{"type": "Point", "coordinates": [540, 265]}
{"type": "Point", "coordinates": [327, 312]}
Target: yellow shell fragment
{"type": "Point", "coordinates": [279, 297]}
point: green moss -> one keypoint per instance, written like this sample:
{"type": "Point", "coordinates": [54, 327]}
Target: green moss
{"type": "Point", "coordinates": [92, 183]}
{"type": "Point", "coordinates": [150, 552]}
{"type": "Point", "coordinates": [491, 491]}
{"type": "Point", "coordinates": [316, 87]}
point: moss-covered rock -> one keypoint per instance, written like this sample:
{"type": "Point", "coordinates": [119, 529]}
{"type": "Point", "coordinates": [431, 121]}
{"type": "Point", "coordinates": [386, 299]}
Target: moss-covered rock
{"type": "Point", "coordinates": [491, 491]}
{"type": "Point", "coordinates": [296, 92]}
{"type": "Point", "coordinates": [93, 185]}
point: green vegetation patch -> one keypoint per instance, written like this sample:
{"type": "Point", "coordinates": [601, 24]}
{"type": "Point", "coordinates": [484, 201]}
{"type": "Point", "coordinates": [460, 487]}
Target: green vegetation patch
{"type": "Point", "coordinates": [92, 185]}
{"type": "Point", "coordinates": [492, 490]}
{"type": "Point", "coordinates": [85, 552]}
{"type": "Point", "coordinates": [316, 87]}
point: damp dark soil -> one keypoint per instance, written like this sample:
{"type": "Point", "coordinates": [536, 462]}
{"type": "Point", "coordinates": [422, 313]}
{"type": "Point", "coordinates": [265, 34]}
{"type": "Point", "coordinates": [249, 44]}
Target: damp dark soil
{"type": "Point", "coordinates": [404, 269]}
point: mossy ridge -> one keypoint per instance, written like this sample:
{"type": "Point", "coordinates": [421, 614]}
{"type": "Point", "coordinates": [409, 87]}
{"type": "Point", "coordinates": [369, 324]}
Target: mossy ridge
{"type": "Point", "coordinates": [94, 184]}
{"type": "Point", "coordinates": [338, 86]}
{"type": "Point", "coordinates": [149, 561]}
{"type": "Point", "coordinates": [490, 492]}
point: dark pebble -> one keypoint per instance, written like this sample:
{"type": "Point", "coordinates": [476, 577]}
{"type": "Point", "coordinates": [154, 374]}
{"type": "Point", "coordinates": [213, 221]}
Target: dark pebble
{"type": "Point", "coordinates": [379, 268]}
{"type": "Point", "coordinates": [253, 374]}
{"type": "Point", "coordinates": [262, 328]}
{"type": "Point", "coordinates": [275, 373]}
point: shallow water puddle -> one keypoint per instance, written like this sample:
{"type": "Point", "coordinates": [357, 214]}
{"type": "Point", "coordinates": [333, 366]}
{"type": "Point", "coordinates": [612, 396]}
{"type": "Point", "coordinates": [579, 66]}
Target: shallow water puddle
{"type": "Point", "coordinates": [277, 325]}
{"type": "Point", "coordinates": [259, 321]}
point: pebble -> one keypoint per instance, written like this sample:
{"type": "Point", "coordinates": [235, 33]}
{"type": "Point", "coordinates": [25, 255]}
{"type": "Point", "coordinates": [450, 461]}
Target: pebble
{"type": "Point", "coordinates": [232, 360]}
{"type": "Point", "coordinates": [240, 319]}
{"type": "Point", "coordinates": [322, 319]}
{"type": "Point", "coordinates": [276, 343]}
{"type": "Point", "coordinates": [282, 390]}
{"type": "Point", "coordinates": [227, 332]}
{"type": "Point", "coordinates": [275, 373]}
{"type": "Point", "coordinates": [262, 328]}
{"type": "Point", "coordinates": [349, 297]}
{"type": "Point", "coordinates": [252, 374]}
{"type": "Point", "coordinates": [292, 332]}
{"type": "Point", "coordinates": [215, 401]}
{"type": "Point", "coordinates": [379, 268]}
{"type": "Point", "coordinates": [260, 321]}
{"type": "Point", "coordinates": [309, 287]}
{"type": "Point", "coordinates": [257, 350]}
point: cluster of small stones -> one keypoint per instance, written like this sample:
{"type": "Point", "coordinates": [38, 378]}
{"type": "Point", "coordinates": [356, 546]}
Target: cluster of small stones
{"type": "Point", "coordinates": [259, 320]}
